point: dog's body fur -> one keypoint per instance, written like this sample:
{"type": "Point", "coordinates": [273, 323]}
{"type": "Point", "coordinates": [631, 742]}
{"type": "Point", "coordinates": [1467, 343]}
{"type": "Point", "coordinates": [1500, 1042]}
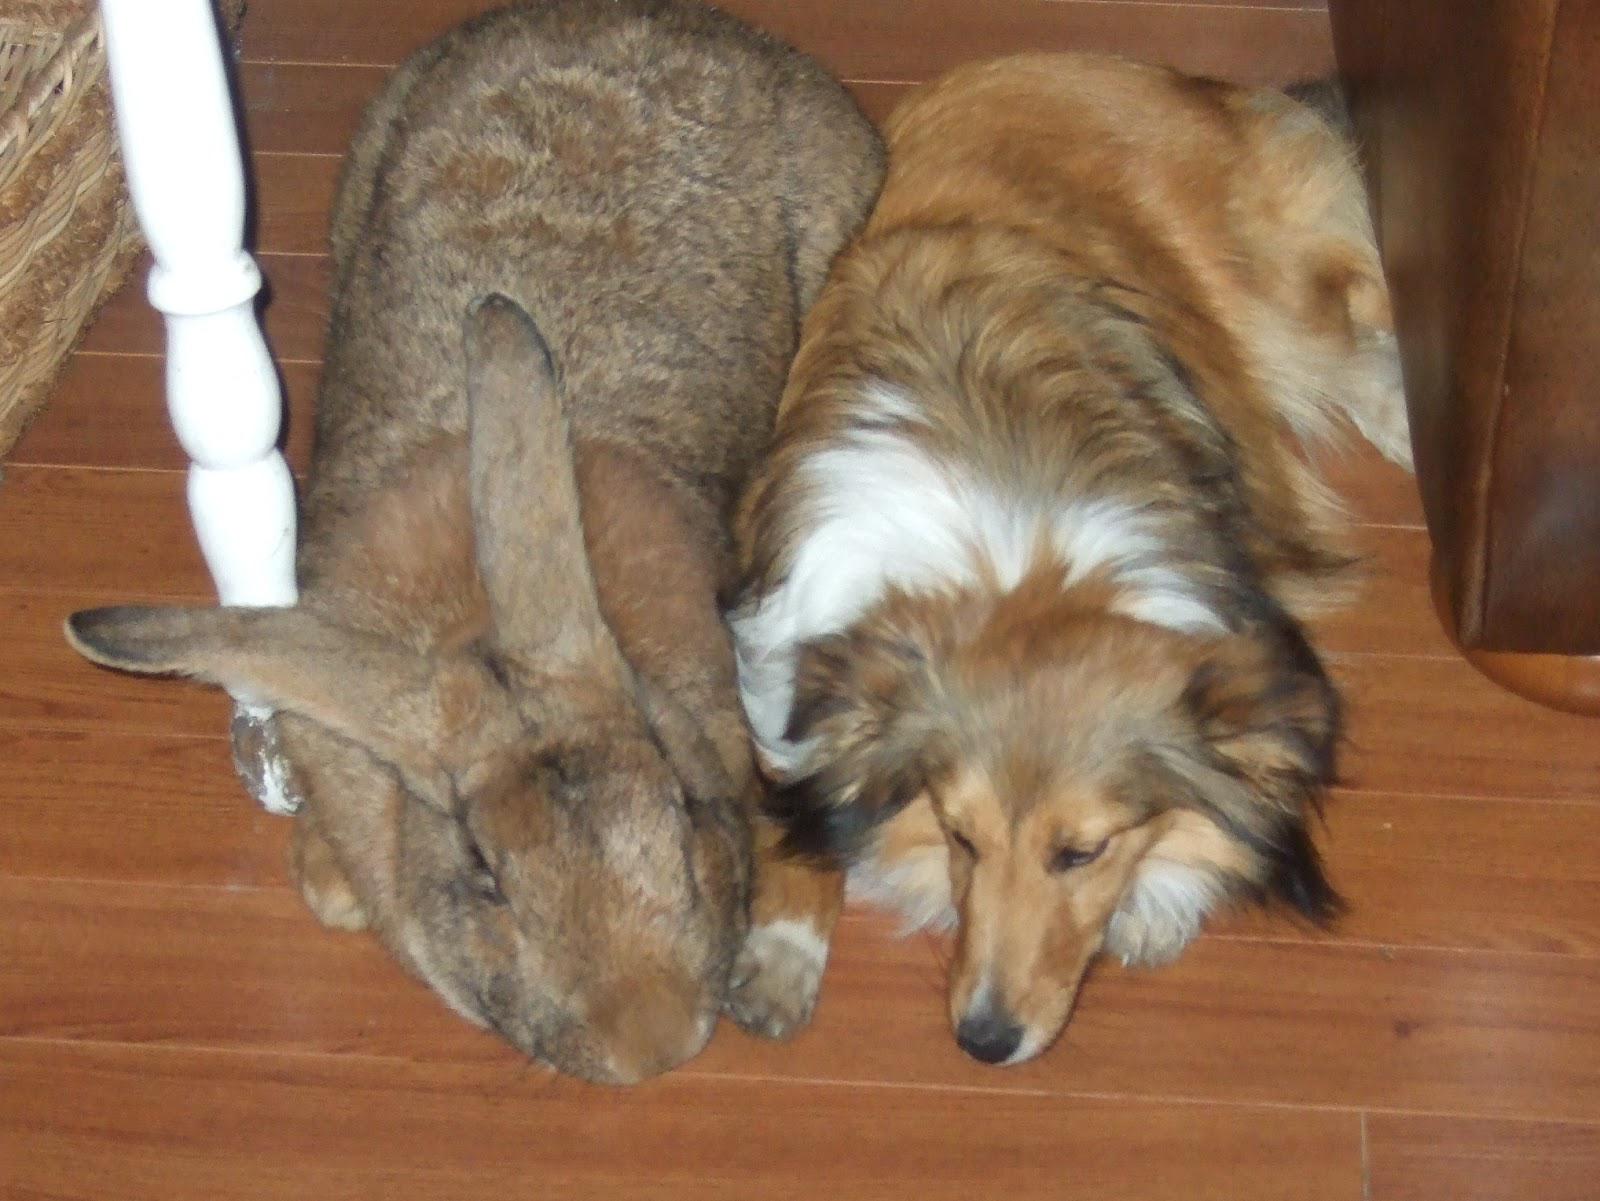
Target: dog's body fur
{"type": "Point", "coordinates": [1017, 634]}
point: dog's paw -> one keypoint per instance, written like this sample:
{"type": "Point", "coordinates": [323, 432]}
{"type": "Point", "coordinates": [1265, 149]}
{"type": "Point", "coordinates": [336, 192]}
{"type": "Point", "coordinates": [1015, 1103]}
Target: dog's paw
{"type": "Point", "coordinates": [776, 978]}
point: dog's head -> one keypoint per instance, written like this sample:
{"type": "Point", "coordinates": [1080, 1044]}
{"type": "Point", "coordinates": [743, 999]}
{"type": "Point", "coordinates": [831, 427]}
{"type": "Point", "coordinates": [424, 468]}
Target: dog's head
{"type": "Point", "coordinates": [1097, 783]}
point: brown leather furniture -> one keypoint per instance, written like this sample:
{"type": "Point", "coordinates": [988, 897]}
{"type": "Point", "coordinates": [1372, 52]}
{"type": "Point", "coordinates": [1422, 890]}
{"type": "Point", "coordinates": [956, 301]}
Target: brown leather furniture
{"type": "Point", "coordinates": [1482, 127]}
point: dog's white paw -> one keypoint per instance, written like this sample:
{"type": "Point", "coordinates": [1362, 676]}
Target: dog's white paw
{"type": "Point", "coordinates": [1162, 913]}
{"type": "Point", "coordinates": [776, 978]}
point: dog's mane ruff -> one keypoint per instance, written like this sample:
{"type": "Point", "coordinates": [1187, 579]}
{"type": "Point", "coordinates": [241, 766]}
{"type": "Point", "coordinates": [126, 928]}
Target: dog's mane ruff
{"type": "Point", "coordinates": [916, 886]}
{"type": "Point", "coordinates": [888, 515]}
{"type": "Point", "coordinates": [1037, 422]}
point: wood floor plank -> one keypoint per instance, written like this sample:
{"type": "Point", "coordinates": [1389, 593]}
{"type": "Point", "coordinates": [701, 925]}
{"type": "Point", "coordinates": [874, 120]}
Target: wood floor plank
{"type": "Point", "coordinates": [45, 684]}
{"type": "Point", "coordinates": [1457, 872]}
{"type": "Point", "coordinates": [1392, 609]}
{"type": "Point", "coordinates": [109, 411]}
{"type": "Point", "coordinates": [1430, 1158]}
{"type": "Point", "coordinates": [140, 1124]}
{"type": "Point", "coordinates": [296, 311]}
{"type": "Point", "coordinates": [114, 532]}
{"type": "Point", "coordinates": [1307, 1024]}
{"type": "Point", "coordinates": [1435, 726]}
{"type": "Point", "coordinates": [881, 39]}
{"type": "Point", "coordinates": [1376, 491]}
{"type": "Point", "coordinates": [1470, 1033]}
{"type": "Point", "coordinates": [104, 805]}
{"type": "Point", "coordinates": [293, 196]}
{"type": "Point", "coordinates": [205, 967]}
{"type": "Point", "coordinates": [303, 108]}
{"type": "Point", "coordinates": [897, 39]}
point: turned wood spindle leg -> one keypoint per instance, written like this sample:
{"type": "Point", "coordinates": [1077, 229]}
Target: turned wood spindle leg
{"type": "Point", "coordinates": [181, 151]}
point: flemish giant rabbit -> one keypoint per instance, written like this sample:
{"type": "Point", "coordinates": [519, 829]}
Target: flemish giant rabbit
{"type": "Point", "coordinates": [506, 695]}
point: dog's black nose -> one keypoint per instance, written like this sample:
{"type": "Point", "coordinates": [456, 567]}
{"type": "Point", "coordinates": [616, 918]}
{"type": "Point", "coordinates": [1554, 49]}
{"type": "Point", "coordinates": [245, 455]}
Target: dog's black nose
{"type": "Point", "coordinates": [990, 1037]}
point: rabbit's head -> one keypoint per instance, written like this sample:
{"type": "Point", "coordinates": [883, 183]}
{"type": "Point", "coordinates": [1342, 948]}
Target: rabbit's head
{"type": "Point", "coordinates": [572, 861]}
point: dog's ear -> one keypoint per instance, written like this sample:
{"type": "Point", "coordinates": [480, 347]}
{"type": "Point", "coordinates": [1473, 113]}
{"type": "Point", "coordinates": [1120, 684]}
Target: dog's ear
{"type": "Point", "coordinates": [863, 713]}
{"type": "Point", "coordinates": [1268, 718]}
{"type": "Point", "coordinates": [1297, 877]}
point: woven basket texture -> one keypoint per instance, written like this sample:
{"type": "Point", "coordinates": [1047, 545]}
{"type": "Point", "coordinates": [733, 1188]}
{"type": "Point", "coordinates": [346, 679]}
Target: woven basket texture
{"type": "Point", "coordinates": [67, 231]}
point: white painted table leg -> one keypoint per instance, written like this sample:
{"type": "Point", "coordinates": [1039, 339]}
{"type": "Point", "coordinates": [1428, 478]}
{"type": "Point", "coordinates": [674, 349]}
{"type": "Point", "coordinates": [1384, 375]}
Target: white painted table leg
{"type": "Point", "coordinates": [181, 151]}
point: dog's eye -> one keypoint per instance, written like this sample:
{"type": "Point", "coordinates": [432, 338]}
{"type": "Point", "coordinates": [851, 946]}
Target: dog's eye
{"type": "Point", "coordinates": [962, 841]}
{"type": "Point", "coordinates": [1068, 858]}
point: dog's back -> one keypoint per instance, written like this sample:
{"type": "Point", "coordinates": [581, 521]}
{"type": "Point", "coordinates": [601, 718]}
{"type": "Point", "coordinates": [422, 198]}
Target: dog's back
{"type": "Point", "coordinates": [1231, 221]}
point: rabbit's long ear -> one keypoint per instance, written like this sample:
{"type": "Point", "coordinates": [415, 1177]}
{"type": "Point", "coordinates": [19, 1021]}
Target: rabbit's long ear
{"type": "Point", "coordinates": [525, 510]}
{"type": "Point", "coordinates": [692, 754]}
{"type": "Point", "coordinates": [405, 710]}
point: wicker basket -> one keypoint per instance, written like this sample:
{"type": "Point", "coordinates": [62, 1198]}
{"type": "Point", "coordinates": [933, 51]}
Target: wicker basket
{"type": "Point", "coordinates": [67, 232]}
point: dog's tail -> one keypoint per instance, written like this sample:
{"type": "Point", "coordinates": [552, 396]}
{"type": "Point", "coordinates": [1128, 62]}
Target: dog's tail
{"type": "Point", "coordinates": [1326, 98]}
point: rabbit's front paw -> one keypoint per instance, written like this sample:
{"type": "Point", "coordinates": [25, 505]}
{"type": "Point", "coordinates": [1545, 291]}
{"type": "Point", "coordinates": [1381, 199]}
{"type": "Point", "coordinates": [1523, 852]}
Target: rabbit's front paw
{"type": "Point", "coordinates": [776, 978]}
{"type": "Point", "coordinates": [334, 902]}
{"type": "Point", "coordinates": [323, 883]}
{"type": "Point", "coordinates": [258, 757]}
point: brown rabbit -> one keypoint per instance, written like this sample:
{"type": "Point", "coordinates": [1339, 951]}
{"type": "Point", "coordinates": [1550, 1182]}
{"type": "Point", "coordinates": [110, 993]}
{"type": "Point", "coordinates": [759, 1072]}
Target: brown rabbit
{"type": "Point", "coordinates": [506, 695]}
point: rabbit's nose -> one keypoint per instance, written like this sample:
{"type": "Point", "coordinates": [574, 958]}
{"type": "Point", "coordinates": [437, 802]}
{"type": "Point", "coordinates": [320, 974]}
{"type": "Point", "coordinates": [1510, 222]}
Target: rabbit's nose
{"type": "Point", "coordinates": [653, 1027]}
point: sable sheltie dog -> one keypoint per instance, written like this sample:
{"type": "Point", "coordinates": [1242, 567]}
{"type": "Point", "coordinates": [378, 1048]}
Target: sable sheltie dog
{"type": "Point", "coordinates": [1019, 638]}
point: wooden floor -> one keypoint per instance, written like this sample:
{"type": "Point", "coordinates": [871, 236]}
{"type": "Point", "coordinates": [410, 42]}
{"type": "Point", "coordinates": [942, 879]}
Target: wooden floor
{"type": "Point", "coordinates": [174, 1025]}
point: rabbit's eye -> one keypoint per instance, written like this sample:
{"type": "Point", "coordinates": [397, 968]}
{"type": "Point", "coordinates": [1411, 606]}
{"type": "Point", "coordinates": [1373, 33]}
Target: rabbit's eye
{"type": "Point", "coordinates": [482, 875]}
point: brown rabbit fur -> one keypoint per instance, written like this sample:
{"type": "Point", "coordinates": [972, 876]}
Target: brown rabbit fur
{"type": "Point", "coordinates": [506, 695]}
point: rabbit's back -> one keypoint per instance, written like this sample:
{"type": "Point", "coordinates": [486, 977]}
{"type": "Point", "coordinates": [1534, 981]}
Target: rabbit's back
{"type": "Point", "coordinates": [658, 185]}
